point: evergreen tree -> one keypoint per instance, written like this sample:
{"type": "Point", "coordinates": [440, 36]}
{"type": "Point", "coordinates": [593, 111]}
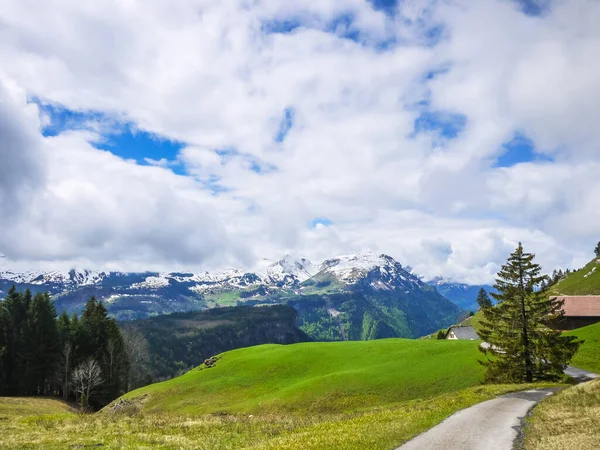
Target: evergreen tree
{"type": "Point", "coordinates": [67, 351]}
{"type": "Point", "coordinates": [2, 349]}
{"type": "Point", "coordinates": [522, 346]}
{"type": "Point", "coordinates": [102, 342]}
{"type": "Point", "coordinates": [597, 250]}
{"type": "Point", "coordinates": [42, 352]}
{"type": "Point", "coordinates": [38, 351]}
{"type": "Point", "coordinates": [14, 321]}
{"type": "Point", "coordinates": [483, 299]}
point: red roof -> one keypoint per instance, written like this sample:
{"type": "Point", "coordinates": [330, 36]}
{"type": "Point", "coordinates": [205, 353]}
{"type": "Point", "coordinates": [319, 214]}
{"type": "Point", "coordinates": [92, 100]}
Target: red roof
{"type": "Point", "coordinates": [581, 305]}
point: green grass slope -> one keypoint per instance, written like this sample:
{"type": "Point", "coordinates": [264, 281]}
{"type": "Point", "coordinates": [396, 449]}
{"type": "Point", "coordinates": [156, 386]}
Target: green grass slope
{"type": "Point", "coordinates": [31, 406]}
{"type": "Point", "coordinates": [310, 378]}
{"type": "Point", "coordinates": [585, 281]}
{"type": "Point", "coordinates": [377, 429]}
{"type": "Point", "coordinates": [588, 356]}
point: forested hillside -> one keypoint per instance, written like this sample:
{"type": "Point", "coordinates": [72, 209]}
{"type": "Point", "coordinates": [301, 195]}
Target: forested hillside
{"type": "Point", "coordinates": [585, 281]}
{"type": "Point", "coordinates": [174, 343]}
{"type": "Point", "coordinates": [83, 358]}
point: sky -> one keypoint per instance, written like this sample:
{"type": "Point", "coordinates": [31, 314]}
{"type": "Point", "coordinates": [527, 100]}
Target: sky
{"type": "Point", "coordinates": [194, 134]}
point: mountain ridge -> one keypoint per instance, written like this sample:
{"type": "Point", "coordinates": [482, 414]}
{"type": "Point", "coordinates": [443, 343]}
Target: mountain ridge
{"type": "Point", "coordinates": [358, 296]}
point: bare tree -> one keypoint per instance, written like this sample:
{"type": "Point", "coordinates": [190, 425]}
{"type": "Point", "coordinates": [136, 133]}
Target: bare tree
{"type": "Point", "coordinates": [111, 348]}
{"type": "Point", "coordinates": [67, 352]}
{"type": "Point", "coordinates": [136, 349]}
{"type": "Point", "coordinates": [86, 377]}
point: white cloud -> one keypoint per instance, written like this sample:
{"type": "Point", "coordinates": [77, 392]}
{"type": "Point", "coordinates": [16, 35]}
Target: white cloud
{"type": "Point", "coordinates": [206, 73]}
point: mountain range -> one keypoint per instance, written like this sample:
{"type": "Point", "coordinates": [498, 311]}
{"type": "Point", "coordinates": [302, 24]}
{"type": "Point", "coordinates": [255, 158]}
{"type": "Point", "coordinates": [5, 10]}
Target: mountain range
{"type": "Point", "coordinates": [462, 295]}
{"type": "Point", "coordinates": [360, 296]}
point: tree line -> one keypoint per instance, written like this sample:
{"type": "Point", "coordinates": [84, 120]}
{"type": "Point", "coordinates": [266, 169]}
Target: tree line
{"type": "Point", "coordinates": [79, 358]}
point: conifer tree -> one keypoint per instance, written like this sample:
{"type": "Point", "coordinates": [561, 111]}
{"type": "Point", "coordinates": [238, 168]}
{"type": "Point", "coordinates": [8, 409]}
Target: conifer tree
{"type": "Point", "coordinates": [2, 350]}
{"type": "Point", "coordinates": [67, 351]}
{"type": "Point", "coordinates": [597, 250]}
{"type": "Point", "coordinates": [522, 345]}
{"type": "Point", "coordinates": [14, 320]}
{"type": "Point", "coordinates": [483, 299]}
{"type": "Point", "coordinates": [42, 351]}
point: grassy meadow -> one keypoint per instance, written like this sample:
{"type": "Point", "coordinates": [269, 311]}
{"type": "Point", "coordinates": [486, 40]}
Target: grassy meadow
{"type": "Point", "coordinates": [316, 378]}
{"type": "Point", "coordinates": [18, 407]}
{"type": "Point", "coordinates": [337, 395]}
{"type": "Point", "coordinates": [377, 428]}
{"type": "Point", "coordinates": [351, 395]}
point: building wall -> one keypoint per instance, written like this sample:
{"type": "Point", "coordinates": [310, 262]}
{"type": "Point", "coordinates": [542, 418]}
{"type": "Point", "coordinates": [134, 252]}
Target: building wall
{"type": "Point", "coordinates": [570, 323]}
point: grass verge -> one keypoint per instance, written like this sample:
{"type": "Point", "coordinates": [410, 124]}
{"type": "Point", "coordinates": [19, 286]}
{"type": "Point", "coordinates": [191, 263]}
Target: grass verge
{"type": "Point", "coordinates": [567, 420]}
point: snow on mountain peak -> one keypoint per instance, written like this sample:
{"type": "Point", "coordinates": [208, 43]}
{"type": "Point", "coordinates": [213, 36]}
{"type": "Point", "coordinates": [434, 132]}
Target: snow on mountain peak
{"type": "Point", "coordinates": [351, 268]}
{"type": "Point", "coordinates": [288, 266]}
{"type": "Point", "coordinates": [73, 277]}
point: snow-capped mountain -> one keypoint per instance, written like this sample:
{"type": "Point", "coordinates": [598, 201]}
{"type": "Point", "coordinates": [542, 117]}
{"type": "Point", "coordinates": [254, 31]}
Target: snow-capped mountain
{"type": "Point", "coordinates": [380, 271]}
{"type": "Point", "coordinates": [71, 278]}
{"type": "Point", "coordinates": [364, 291]}
{"type": "Point", "coordinates": [461, 294]}
{"type": "Point", "coordinates": [288, 270]}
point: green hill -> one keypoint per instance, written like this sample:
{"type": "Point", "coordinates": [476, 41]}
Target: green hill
{"type": "Point", "coordinates": [31, 406]}
{"type": "Point", "coordinates": [318, 377]}
{"type": "Point", "coordinates": [588, 356]}
{"type": "Point", "coordinates": [585, 281]}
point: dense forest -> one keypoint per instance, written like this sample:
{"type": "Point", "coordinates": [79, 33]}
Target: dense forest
{"type": "Point", "coordinates": [79, 358]}
{"type": "Point", "coordinates": [172, 344]}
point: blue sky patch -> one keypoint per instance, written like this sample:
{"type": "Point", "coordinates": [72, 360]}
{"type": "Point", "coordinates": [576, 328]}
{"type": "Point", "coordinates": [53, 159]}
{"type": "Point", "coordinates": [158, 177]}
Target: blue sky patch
{"type": "Point", "coordinates": [447, 125]}
{"type": "Point", "coordinates": [320, 221]}
{"type": "Point", "coordinates": [281, 26]}
{"type": "Point", "coordinates": [130, 143]}
{"type": "Point", "coordinates": [342, 26]}
{"type": "Point", "coordinates": [287, 122]}
{"type": "Point", "coordinates": [122, 139]}
{"type": "Point", "coordinates": [60, 119]}
{"type": "Point", "coordinates": [388, 6]}
{"type": "Point", "coordinates": [520, 149]}
{"type": "Point", "coordinates": [534, 7]}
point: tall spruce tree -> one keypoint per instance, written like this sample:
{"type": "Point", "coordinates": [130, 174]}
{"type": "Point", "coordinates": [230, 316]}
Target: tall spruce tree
{"type": "Point", "coordinates": [14, 321]}
{"type": "Point", "coordinates": [42, 352]}
{"type": "Point", "coordinates": [483, 299]}
{"type": "Point", "coordinates": [597, 250]}
{"type": "Point", "coordinates": [522, 346]}
{"type": "Point", "coordinates": [102, 341]}
{"type": "Point", "coordinates": [2, 349]}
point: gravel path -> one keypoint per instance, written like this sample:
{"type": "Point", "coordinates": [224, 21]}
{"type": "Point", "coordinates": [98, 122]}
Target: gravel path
{"type": "Point", "coordinates": [491, 425]}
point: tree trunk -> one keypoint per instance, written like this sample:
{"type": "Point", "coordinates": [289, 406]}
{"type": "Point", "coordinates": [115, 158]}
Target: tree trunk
{"type": "Point", "coordinates": [526, 352]}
